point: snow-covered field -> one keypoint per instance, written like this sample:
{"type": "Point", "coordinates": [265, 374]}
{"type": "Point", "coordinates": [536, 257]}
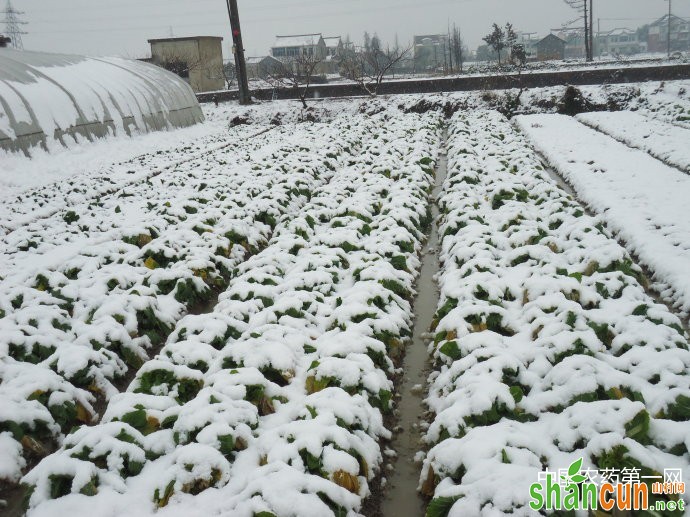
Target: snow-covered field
{"type": "Point", "coordinates": [666, 142]}
{"type": "Point", "coordinates": [86, 293]}
{"type": "Point", "coordinates": [547, 347]}
{"type": "Point", "coordinates": [212, 321]}
{"type": "Point", "coordinates": [643, 201]}
{"type": "Point", "coordinates": [284, 382]}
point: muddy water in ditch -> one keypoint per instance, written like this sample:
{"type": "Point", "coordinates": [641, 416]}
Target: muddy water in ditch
{"type": "Point", "coordinates": [402, 498]}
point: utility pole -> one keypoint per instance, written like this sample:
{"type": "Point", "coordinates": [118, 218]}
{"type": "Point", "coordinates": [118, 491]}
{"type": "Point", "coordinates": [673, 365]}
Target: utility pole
{"type": "Point", "coordinates": [669, 30]}
{"type": "Point", "coordinates": [12, 23]}
{"type": "Point", "coordinates": [586, 17]}
{"type": "Point", "coordinates": [238, 51]}
{"type": "Point", "coordinates": [591, 30]}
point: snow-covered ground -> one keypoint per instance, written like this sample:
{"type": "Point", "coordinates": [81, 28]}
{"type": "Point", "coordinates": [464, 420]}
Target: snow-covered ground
{"type": "Point", "coordinates": [546, 345]}
{"type": "Point", "coordinates": [65, 176]}
{"type": "Point", "coordinates": [210, 321]}
{"type": "Point", "coordinates": [87, 293]}
{"type": "Point", "coordinates": [276, 398]}
{"type": "Point", "coordinates": [642, 200]}
{"type": "Point", "coordinates": [666, 142]}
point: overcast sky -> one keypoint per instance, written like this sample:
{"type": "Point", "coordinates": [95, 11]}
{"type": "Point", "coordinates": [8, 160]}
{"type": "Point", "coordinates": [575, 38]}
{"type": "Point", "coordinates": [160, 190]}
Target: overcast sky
{"type": "Point", "coordinates": [121, 27]}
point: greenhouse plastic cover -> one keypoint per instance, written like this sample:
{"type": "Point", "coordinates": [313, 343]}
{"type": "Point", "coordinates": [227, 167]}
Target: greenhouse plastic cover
{"type": "Point", "coordinates": [53, 96]}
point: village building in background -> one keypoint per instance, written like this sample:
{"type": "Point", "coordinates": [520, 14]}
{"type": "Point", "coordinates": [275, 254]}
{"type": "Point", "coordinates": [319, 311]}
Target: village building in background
{"type": "Point", "coordinates": [288, 47]}
{"type": "Point", "coordinates": [197, 59]}
{"type": "Point", "coordinates": [657, 34]}
{"type": "Point", "coordinates": [431, 52]}
{"type": "Point", "coordinates": [623, 42]}
{"type": "Point", "coordinates": [263, 67]}
{"type": "Point", "coordinates": [551, 48]}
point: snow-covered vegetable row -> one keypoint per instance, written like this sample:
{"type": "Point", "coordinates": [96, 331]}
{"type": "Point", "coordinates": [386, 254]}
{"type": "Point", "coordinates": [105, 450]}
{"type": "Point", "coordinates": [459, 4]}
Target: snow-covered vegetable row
{"type": "Point", "coordinates": [99, 295]}
{"type": "Point", "coordinates": [669, 102]}
{"type": "Point", "coordinates": [664, 141]}
{"type": "Point", "coordinates": [643, 201]}
{"type": "Point", "coordinates": [547, 347]}
{"type": "Point", "coordinates": [81, 184]}
{"type": "Point", "coordinates": [273, 404]}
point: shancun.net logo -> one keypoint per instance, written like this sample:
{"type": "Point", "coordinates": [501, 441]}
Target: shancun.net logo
{"type": "Point", "coordinates": [607, 489]}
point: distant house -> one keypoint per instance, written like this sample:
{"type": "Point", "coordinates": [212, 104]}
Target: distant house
{"type": "Point", "coordinates": [529, 42]}
{"type": "Point", "coordinates": [550, 48]}
{"type": "Point", "coordinates": [620, 42]}
{"type": "Point", "coordinates": [575, 47]}
{"type": "Point", "coordinates": [262, 67]}
{"type": "Point", "coordinates": [334, 51]}
{"type": "Point", "coordinates": [431, 51]}
{"type": "Point", "coordinates": [334, 46]}
{"type": "Point", "coordinates": [657, 39]}
{"type": "Point", "coordinates": [198, 60]}
{"type": "Point", "coordinates": [289, 47]}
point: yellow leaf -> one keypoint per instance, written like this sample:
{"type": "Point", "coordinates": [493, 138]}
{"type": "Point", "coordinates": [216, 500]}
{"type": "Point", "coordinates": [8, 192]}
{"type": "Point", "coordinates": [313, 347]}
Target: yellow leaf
{"type": "Point", "coordinates": [536, 332]}
{"type": "Point", "coordinates": [591, 268]}
{"type": "Point", "coordinates": [83, 414]}
{"type": "Point", "coordinates": [94, 389]}
{"type": "Point", "coordinates": [151, 263]}
{"type": "Point", "coordinates": [36, 394]}
{"type": "Point", "coordinates": [31, 444]}
{"type": "Point", "coordinates": [395, 348]}
{"type": "Point", "coordinates": [152, 425]}
{"type": "Point", "coordinates": [479, 327]}
{"type": "Point", "coordinates": [144, 239]}
{"type": "Point", "coordinates": [266, 407]}
{"type": "Point", "coordinates": [429, 485]}
{"type": "Point", "coordinates": [313, 385]}
{"type": "Point", "coordinates": [346, 480]}
{"type": "Point", "coordinates": [617, 393]}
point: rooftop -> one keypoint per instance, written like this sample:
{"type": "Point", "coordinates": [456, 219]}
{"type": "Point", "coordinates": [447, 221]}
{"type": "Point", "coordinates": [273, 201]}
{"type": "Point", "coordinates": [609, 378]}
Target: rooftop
{"type": "Point", "coordinates": [332, 41]}
{"type": "Point", "coordinates": [188, 38]}
{"type": "Point", "coordinates": [297, 40]}
{"type": "Point", "coordinates": [550, 37]}
{"type": "Point", "coordinates": [621, 31]}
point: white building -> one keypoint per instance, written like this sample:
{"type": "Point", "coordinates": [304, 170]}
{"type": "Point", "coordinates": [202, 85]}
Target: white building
{"type": "Point", "coordinates": [288, 47]}
{"type": "Point", "coordinates": [334, 46]}
{"type": "Point", "coordinates": [620, 41]}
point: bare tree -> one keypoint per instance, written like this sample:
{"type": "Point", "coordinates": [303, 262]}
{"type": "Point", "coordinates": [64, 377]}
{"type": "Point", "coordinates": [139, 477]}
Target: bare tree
{"type": "Point", "coordinates": [296, 73]}
{"type": "Point", "coordinates": [229, 72]}
{"type": "Point", "coordinates": [457, 48]}
{"type": "Point", "coordinates": [368, 66]}
{"type": "Point", "coordinates": [585, 8]}
{"type": "Point", "coordinates": [179, 62]}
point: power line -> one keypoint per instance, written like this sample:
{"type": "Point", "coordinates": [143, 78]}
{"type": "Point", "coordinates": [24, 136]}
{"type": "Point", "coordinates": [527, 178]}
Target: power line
{"type": "Point", "coordinates": [12, 25]}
